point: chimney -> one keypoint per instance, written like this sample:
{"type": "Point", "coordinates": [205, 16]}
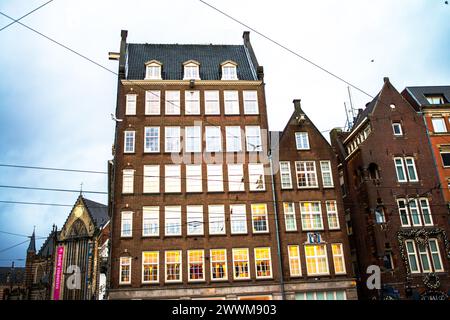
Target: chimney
{"type": "Point", "coordinates": [123, 44]}
{"type": "Point", "coordinates": [260, 72]}
{"type": "Point", "coordinates": [246, 37]}
{"type": "Point", "coordinates": [386, 79]}
{"type": "Point", "coordinates": [298, 105]}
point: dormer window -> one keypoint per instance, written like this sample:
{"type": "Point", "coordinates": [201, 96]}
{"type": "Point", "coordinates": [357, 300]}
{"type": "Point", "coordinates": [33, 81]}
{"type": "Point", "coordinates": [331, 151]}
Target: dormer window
{"type": "Point", "coordinates": [229, 70]}
{"type": "Point", "coordinates": [153, 70]}
{"type": "Point", "coordinates": [191, 70]}
{"type": "Point", "coordinates": [435, 99]}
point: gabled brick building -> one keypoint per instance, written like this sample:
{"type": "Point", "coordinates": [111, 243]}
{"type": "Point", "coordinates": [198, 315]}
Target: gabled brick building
{"type": "Point", "coordinates": [399, 220]}
{"type": "Point", "coordinates": [314, 242]}
{"type": "Point", "coordinates": [434, 105]}
{"type": "Point", "coordinates": [191, 200]}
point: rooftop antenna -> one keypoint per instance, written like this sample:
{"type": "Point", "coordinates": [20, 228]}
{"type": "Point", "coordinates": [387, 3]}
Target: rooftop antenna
{"type": "Point", "coordinates": [349, 122]}
{"type": "Point", "coordinates": [81, 189]}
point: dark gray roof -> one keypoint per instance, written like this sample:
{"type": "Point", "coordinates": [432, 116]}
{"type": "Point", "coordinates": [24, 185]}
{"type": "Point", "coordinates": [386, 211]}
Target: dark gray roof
{"type": "Point", "coordinates": [48, 246]}
{"type": "Point", "coordinates": [7, 275]}
{"type": "Point", "coordinates": [98, 212]}
{"type": "Point", "coordinates": [172, 56]}
{"type": "Point", "coordinates": [364, 113]}
{"type": "Point", "coordinates": [32, 245]}
{"type": "Point", "coordinates": [419, 93]}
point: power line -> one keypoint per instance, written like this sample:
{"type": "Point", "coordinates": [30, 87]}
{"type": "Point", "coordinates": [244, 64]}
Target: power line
{"type": "Point", "coordinates": [32, 11]}
{"type": "Point", "coordinates": [16, 245]}
{"type": "Point", "coordinates": [51, 189]}
{"type": "Point", "coordinates": [20, 235]}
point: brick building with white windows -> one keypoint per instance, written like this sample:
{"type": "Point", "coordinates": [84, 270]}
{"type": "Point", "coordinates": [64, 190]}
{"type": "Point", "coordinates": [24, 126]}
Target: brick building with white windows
{"type": "Point", "coordinates": [315, 252]}
{"type": "Point", "coordinates": [191, 200]}
{"type": "Point", "coordinates": [395, 211]}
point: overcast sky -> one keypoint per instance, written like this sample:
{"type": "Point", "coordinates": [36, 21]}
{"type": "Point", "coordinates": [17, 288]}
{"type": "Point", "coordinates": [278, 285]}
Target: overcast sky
{"type": "Point", "coordinates": [55, 107]}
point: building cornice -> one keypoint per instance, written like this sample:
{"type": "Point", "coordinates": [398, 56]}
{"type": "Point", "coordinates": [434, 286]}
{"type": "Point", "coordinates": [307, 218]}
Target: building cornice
{"type": "Point", "coordinates": [187, 82]}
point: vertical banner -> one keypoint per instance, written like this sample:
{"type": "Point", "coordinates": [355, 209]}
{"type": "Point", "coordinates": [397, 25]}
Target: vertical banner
{"type": "Point", "coordinates": [58, 272]}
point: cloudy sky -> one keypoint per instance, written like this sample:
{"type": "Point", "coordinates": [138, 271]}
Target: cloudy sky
{"type": "Point", "coordinates": [55, 107]}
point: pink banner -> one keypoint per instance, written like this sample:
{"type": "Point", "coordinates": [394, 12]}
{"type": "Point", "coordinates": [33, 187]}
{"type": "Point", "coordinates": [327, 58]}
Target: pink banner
{"type": "Point", "coordinates": [58, 272]}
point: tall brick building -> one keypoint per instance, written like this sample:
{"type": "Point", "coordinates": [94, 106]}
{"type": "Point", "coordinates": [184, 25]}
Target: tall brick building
{"type": "Point", "coordinates": [434, 105]}
{"type": "Point", "coordinates": [314, 242]}
{"type": "Point", "coordinates": [397, 218]}
{"type": "Point", "coordinates": [191, 200]}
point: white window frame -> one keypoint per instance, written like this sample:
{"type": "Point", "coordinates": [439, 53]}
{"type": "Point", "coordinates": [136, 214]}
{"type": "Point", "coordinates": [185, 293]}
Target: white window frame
{"type": "Point", "coordinates": [238, 219]}
{"type": "Point", "coordinates": [127, 181]}
{"type": "Point", "coordinates": [152, 102]}
{"type": "Point", "coordinates": [310, 216]}
{"type": "Point", "coordinates": [151, 264]}
{"type": "Point", "coordinates": [175, 135]}
{"type": "Point", "coordinates": [193, 139]}
{"type": "Point", "coordinates": [441, 122]}
{"type": "Point", "coordinates": [397, 125]}
{"type": "Point", "coordinates": [194, 220]}
{"type": "Point", "coordinates": [412, 254]}
{"type": "Point", "coordinates": [213, 137]}
{"type": "Point", "coordinates": [251, 102]}
{"type": "Point", "coordinates": [236, 181]}
{"type": "Point", "coordinates": [438, 252]}
{"type": "Point", "coordinates": [327, 172]}
{"type": "Point", "coordinates": [191, 71]}
{"type": "Point", "coordinates": [152, 175]}
{"type": "Point", "coordinates": [289, 214]}
{"type": "Point", "coordinates": [403, 210]}
{"type": "Point", "coordinates": [196, 262]}
{"type": "Point", "coordinates": [126, 216]}
{"type": "Point", "coordinates": [224, 262]}
{"type": "Point", "coordinates": [339, 256]}
{"type": "Point", "coordinates": [172, 175]}
{"type": "Point", "coordinates": [295, 260]}
{"type": "Point", "coordinates": [301, 168]}
{"type": "Point", "coordinates": [130, 105]}
{"type": "Point", "coordinates": [302, 141]}
{"type": "Point", "coordinates": [400, 165]}
{"type": "Point", "coordinates": [121, 265]}
{"type": "Point", "coordinates": [412, 165]}
{"type": "Point", "coordinates": [192, 102]}
{"type": "Point", "coordinates": [229, 71]}
{"type": "Point", "coordinates": [253, 140]}
{"type": "Point", "coordinates": [150, 69]}
{"type": "Point", "coordinates": [173, 103]}
{"type": "Point", "coordinates": [194, 178]}
{"type": "Point", "coordinates": [233, 135]}
{"type": "Point", "coordinates": [316, 257]}
{"type": "Point", "coordinates": [180, 262]}
{"type": "Point", "coordinates": [172, 219]}
{"type": "Point", "coordinates": [215, 177]}
{"type": "Point", "coordinates": [285, 172]}
{"type": "Point", "coordinates": [150, 214]}
{"type": "Point", "coordinates": [265, 215]}
{"type": "Point", "coordinates": [256, 177]}
{"type": "Point", "coordinates": [256, 263]}
{"type": "Point", "coordinates": [149, 135]}
{"type": "Point", "coordinates": [247, 260]}
{"type": "Point", "coordinates": [428, 208]}
{"type": "Point", "coordinates": [331, 213]}
{"type": "Point", "coordinates": [212, 102]}
{"type": "Point", "coordinates": [216, 215]}
{"type": "Point", "coordinates": [129, 134]}
{"type": "Point", "coordinates": [231, 102]}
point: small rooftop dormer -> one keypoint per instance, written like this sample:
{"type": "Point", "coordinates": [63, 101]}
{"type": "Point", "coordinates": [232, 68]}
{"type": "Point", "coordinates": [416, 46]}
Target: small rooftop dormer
{"type": "Point", "coordinates": [229, 70]}
{"type": "Point", "coordinates": [153, 70]}
{"type": "Point", "coordinates": [191, 70]}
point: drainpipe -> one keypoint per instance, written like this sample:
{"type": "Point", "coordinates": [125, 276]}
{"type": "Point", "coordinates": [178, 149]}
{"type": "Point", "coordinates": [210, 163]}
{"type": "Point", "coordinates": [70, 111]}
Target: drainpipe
{"type": "Point", "coordinates": [275, 210]}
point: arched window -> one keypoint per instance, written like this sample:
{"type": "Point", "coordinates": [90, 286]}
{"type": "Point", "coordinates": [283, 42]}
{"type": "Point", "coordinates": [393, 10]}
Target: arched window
{"type": "Point", "coordinates": [78, 229]}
